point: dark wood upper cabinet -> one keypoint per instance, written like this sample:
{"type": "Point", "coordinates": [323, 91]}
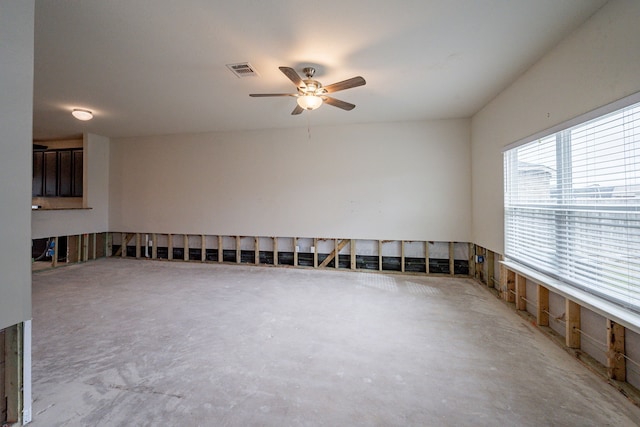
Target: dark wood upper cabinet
{"type": "Point", "coordinates": [77, 173]}
{"type": "Point", "coordinates": [50, 173]}
{"type": "Point", "coordinates": [37, 187]}
{"type": "Point", "coordinates": [57, 173]}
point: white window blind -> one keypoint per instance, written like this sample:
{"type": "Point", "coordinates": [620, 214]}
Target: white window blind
{"type": "Point", "coordinates": [572, 206]}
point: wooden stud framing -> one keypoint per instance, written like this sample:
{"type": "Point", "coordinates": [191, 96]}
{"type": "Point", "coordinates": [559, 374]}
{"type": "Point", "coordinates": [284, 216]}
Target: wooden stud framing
{"type": "Point", "coordinates": [13, 370]}
{"type": "Point", "coordinates": [402, 256]}
{"type": "Point", "coordinates": [572, 324]}
{"type": "Point", "coordinates": [491, 265]}
{"type": "Point", "coordinates": [295, 251]}
{"type": "Point", "coordinates": [426, 257]}
{"type": "Point", "coordinates": [108, 244]}
{"type": "Point", "coordinates": [334, 253]}
{"type": "Point", "coordinates": [542, 314]}
{"type": "Point", "coordinates": [275, 250]}
{"type": "Point", "coordinates": [521, 292]}
{"type": "Point", "coordinates": [94, 251]}
{"type": "Point", "coordinates": [138, 246]}
{"type": "Point", "coordinates": [220, 252]}
{"type": "Point", "coordinates": [352, 254]}
{"type": "Point", "coordinates": [315, 252]}
{"type": "Point", "coordinates": [510, 284]}
{"type": "Point", "coordinates": [203, 248]}
{"type": "Point", "coordinates": [185, 247]}
{"type": "Point", "coordinates": [256, 243]}
{"type": "Point", "coordinates": [616, 363]}
{"type": "Point", "coordinates": [154, 246]}
{"type": "Point", "coordinates": [452, 263]}
{"type": "Point", "coordinates": [238, 250]}
{"type": "Point", "coordinates": [473, 268]}
{"type": "Point", "coordinates": [170, 247]}
{"type": "Point", "coordinates": [379, 255]}
{"type": "Point", "coordinates": [54, 260]}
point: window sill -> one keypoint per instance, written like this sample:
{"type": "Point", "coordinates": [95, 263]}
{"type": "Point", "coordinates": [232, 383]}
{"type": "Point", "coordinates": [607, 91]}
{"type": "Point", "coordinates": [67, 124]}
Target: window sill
{"type": "Point", "coordinates": [609, 310]}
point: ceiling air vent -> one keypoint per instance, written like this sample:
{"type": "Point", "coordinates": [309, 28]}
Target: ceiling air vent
{"type": "Point", "coordinates": [243, 69]}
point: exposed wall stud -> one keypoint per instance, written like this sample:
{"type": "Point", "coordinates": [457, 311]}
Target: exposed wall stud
{"type": "Point", "coordinates": [203, 248]}
{"type": "Point", "coordinates": [616, 363]}
{"type": "Point", "coordinates": [275, 251]}
{"type": "Point", "coordinates": [256, 244]}
{"type": "Point", "coordinates": [315, 252]}
{"type": "Point", "coordinates": [352, 254]}
{"type": "Point", "coordinates": [185, 247]}
{"type": "Point", "coordinates": [452, 263]}
{"type": "Point", "coordinates": [402, 267]}
{"type": "Point", "coordinates": [473, 267]}
{"type": "Point", "coordinates": [109, 244]}
{"type": "Point", "coordinates": [379, 255]}
{"type": "Point", "coordinates": [238, 250]}
{"type": "Point", "coordinates": [542, 315]}
{"type": "Point", "coordinates": [54, 260]}
{"type": "Point", "coordinates": [170, 247]}
{"type": "Point", "coordinates": [572, 324]}
{"type": "Point", "coordinates": [490, 268]}
{"type": "Point", "coordinates": [426, 257]}
{"type": "Point", "coordinates": [220, 251]}
{"type": "Point", "coordinates": [94, 250]}
{"type": "Point", "coordinates": [295, 251]}
{"type": "Point", "coordinates": [521, 292]}
{"type": "Point", "coordinates": [154, 246]}
{"type": "Point", "coordinates": [138, 251]}
{"type": "Point", "coordinates": [509, 293]}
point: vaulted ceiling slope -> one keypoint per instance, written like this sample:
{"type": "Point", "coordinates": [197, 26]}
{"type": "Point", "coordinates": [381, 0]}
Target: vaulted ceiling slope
{"type": "Point", "coordinates": [152, 67]}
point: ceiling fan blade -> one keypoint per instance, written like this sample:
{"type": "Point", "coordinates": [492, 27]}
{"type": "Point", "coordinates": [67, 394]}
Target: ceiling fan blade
{"type": "Point", "coordinates": [293, 76]}
{"type": "Point", "coordinates": [345, 84]}
{"type": "Point", "coordinates": [337, 103]}
{"type": "Point", "coordinates": [258, 95]}
{"type": "Point", "coordinates": [297, 110]}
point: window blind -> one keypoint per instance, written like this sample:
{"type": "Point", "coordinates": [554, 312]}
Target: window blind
{"type": "Point", "coordinates": [572, 205]}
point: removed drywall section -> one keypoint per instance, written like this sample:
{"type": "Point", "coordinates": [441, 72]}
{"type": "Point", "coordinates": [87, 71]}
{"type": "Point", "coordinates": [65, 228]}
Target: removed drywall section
{"type": "Point", "coordinates": [595, 65]}
{"type": "Point", "coordinates": [387, 180]}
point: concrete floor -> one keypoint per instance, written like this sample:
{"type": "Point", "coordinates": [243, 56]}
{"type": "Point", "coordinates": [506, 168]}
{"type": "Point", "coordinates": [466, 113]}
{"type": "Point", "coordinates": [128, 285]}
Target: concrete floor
{"type": "Point", "coordinates": [150, 343]}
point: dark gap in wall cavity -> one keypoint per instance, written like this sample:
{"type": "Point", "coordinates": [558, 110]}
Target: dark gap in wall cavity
{"type": "Point", "coordinates": [248, 257]}
{"type": "Point", "coordinates": [285, 258]}
{"type": "Point", "coordinates": [195, 254]}
{"type": "Point", "coordinates": [266, 257]}
{"type": "Point", "coordinates": [367, 262]}
{"type": "Point", "coordinates": [392, 263]}
{"type": "Point", "coordinates": [211, 254]}
{"type": "Point", "coordinates": [228, 255]}
{"type": "Point", "coordinates": [415, 265]}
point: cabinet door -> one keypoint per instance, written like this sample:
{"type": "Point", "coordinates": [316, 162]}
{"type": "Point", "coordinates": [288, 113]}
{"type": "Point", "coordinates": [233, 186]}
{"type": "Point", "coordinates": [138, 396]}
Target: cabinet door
{"type": "Point", "coordinates": [65, 176]}
{"type": "Point", "coordinates": [77, 173]}
{"type": "Point", "coordinates": [50, 174]}
{"type": "Point", "coordinates": [37, 186]}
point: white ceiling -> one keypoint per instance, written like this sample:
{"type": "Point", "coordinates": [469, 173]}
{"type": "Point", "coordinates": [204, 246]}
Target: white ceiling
{"type": "Point", "coordinates": [151, 67]}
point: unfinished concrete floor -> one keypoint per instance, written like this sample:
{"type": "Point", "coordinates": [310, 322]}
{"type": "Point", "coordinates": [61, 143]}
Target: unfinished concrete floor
{"type": "Point", "coordinates": [151, 343]}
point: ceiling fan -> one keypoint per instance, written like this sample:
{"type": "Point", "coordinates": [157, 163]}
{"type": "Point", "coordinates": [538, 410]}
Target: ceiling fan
{"type": "Point", "coordinates": [311, 94]}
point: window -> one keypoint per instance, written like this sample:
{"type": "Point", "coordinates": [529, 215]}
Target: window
{"type": "Point", "coordinates": [572, 205]}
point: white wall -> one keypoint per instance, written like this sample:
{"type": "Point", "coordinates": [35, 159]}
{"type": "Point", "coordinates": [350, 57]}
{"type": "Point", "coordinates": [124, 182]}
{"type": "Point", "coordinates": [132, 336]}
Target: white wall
{"type": "Point", "coordinates": [597, 64]}
{"type": "Point", "coordinates": [49, 223]}
{"type": "Point", "coordinates": [16, 87]}
{"type": "Point", "coordinates": [382, 181]}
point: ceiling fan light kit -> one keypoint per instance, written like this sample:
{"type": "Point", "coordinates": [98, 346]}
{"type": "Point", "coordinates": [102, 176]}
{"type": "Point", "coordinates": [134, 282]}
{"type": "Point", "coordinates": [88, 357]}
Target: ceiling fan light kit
{"type": "Point", "coordinates": [311, 94]}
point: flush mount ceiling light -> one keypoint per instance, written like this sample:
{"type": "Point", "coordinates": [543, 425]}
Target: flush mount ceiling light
{"type": "Point", "coordinates": [83, 115]}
